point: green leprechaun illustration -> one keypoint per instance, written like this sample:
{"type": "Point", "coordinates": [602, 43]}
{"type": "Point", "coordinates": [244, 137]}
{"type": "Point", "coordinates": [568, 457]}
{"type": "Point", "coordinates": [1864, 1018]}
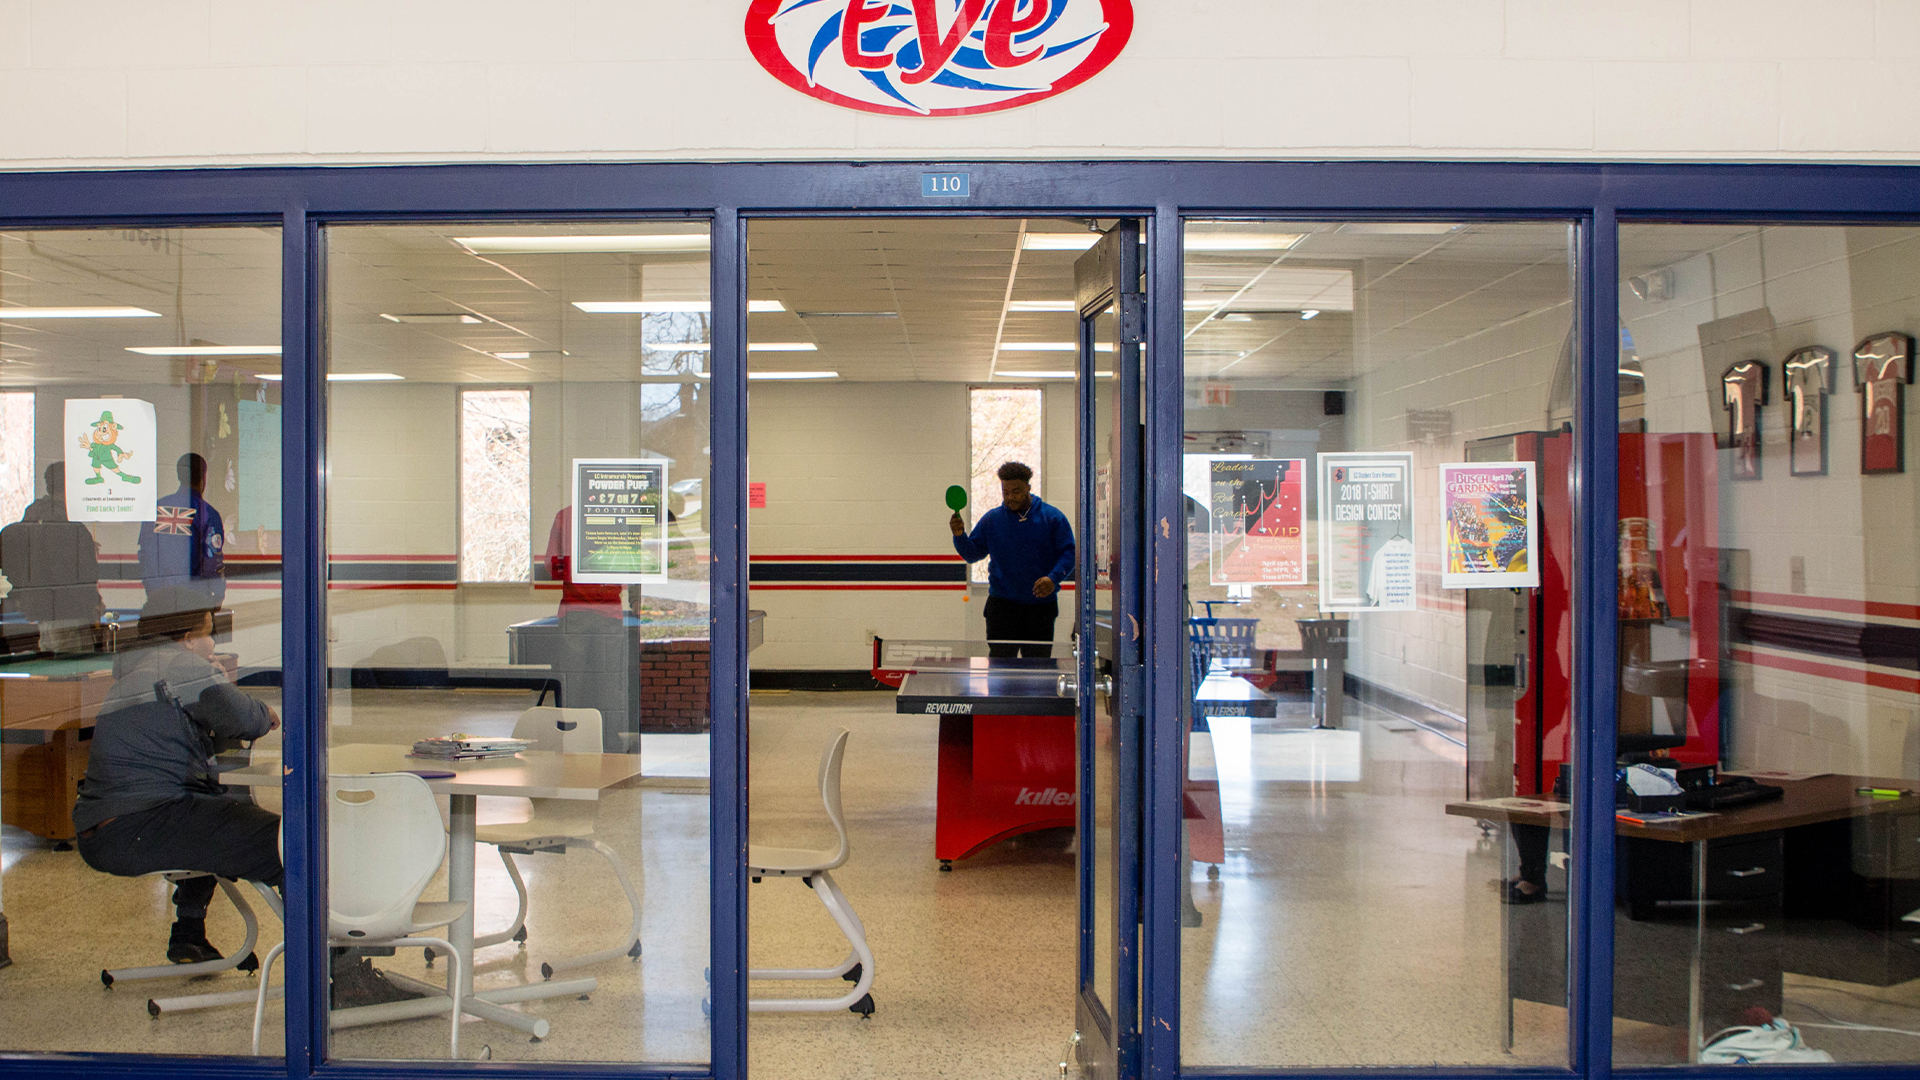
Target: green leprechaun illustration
{"type": "Point", "coordinates": [103, 450]}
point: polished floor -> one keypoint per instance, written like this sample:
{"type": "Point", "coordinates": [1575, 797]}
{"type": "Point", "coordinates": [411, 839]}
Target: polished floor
{"type": "Point", "coordinates": [1352, 922]}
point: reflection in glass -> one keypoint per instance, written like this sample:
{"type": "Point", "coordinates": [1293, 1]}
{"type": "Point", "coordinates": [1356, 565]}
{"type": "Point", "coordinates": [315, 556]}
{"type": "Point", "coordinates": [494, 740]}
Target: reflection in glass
{"type": "Point", "coordinates": [139, 541]}
{"type": "Point", "coordinates": [1377, 482]}
{"type": "Point", "coordinates": [1769, 597]}
{"type": "Point", "coordinates": [518, 549]}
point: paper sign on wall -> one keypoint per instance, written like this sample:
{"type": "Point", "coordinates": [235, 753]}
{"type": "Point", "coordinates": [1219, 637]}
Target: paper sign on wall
{"type": "Point", "coordinates": [1254, 523]}
{"type": "Point", "coordinates": [619, 520]}
{"type": "Point", "coordinates": [1366, 532]}
{"type": "Point", "coordinates": [1487, 518]}
{"type": "Point", "coordinates": [111, 466]}
{"type": "Point", "coordinates": [756, 496]}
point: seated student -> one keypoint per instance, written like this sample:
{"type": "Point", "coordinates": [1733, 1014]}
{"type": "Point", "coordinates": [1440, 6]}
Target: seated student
{"type": "Point", "coordinates": [53, 567]}
{"type": "Point", "coordinates": [151, 799]}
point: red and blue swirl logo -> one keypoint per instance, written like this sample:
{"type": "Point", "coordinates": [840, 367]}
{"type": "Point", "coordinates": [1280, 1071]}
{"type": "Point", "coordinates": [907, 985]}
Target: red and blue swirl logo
{"type": "Point", "coordinates": [936, 57]}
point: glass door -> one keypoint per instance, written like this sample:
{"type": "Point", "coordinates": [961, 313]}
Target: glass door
{"type": "Point", "coordinates": [1112, 321]}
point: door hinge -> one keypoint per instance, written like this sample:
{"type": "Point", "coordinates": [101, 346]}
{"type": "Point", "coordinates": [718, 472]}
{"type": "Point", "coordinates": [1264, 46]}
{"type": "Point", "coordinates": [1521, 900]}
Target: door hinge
{"type": "Point", "coordinates": [1133, 319]}
{"type": "Point", "coordinates": [1133, 688]}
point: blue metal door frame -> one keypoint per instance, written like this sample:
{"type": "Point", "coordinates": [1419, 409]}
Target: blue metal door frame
{"type": "Point", "coordinates": [1595, 197]}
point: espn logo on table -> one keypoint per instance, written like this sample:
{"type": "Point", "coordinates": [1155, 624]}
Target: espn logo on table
{"type": "Point", "coordinates": [1049, 797]}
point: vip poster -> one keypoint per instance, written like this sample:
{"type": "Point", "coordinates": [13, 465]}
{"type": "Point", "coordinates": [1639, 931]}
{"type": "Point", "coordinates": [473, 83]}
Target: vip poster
{"type": "Point", "coordinates": [619, 520]}
{"type": "Point", "coordinates": [111, 466]}
{"type": "Point", "coordinates": [1487, 519]}
{"type": "Point", "coordinates": [1255, 525]}
{"type": "Point", "coordinates": [1366, 532]}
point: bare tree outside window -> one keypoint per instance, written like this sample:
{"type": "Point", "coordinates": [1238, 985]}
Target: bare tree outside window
{"type": "Point", "coordinates": [496, 485]}
{"type": "Point", "coordinates": [1006, 426]}
{"type": "Point", "coordinates": [16, 454]}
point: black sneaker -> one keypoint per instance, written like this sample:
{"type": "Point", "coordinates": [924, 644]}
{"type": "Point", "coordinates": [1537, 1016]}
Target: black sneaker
{"type": "Point", "coordinates": [188, 944]}
{"type": "Point", "coordinates": [360, 983]}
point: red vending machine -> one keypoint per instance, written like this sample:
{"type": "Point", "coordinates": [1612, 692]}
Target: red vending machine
{"type": "Point", "coordinates": [1670, 615]}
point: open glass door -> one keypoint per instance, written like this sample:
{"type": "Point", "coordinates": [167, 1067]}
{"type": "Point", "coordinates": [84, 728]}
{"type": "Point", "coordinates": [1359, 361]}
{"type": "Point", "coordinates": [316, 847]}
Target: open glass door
{"type": "Point", "coordinates": [1112, 320]}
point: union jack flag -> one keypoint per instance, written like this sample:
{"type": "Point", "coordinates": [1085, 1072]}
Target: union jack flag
{"type": "Point", "coordinates": [174, 519]}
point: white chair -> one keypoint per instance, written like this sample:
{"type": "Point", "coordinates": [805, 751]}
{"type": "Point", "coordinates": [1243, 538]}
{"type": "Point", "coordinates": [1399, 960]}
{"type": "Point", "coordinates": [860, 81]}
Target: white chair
{"type": "Point", "coordinates": [557, 825]}
{"type": "Point", "coordinates": [385, 842]}
{"type": "Point", "coordinates": [812, 867]}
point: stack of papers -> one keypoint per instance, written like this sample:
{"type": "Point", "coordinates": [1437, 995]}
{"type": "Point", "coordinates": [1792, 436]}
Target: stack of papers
{"type": "Point", "coordinates": [464, 747]}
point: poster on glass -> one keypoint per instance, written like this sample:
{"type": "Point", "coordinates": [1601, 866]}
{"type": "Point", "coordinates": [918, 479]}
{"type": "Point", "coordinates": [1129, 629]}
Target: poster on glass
{"type": "Point", "coordinates": [1255, 524]}
{"type": "Point", "coordinates": [1487, 522]}
{"type": "Point", "coordinates": [1366, 532]}
{"type": "Point", "coordinates": [620, 520]}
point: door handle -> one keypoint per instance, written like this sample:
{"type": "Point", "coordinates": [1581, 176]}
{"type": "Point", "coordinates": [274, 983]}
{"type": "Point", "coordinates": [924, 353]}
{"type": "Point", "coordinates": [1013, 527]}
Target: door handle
{"type": "Point", "coordinates": [1752, 871]}
{"type": "Point", "coordinates": [1755, 927]}
{"type": "Point", "coordinates": [1069, 685]}
{"type": "Point", "coordinates": [1750, 984]}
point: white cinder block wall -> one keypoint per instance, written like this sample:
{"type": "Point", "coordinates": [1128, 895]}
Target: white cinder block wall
{"type": "Point", "coordinates": [187, 82]}
{"type": "Point", "coordinates": [1853, 534]}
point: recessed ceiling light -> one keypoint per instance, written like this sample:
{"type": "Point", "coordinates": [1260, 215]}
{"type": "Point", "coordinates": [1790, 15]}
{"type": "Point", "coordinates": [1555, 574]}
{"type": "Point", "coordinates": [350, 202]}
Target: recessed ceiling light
{"type": "Point", "coordinates": [1237, 316]}
{"type": "Point", "coordinates": [1040, 305]}
{"type": "Point", "coordinates": [513, 356]}
{"type": "Point", "coordinates": [205, 350]}
{"type": "Point", "coordinates": [757, 346]}
{"type": "Point", "coordinates": [1309, 313]}
{"type": "Point", "coordinates": [1397, 228]}
{"type": "Point", "coordinates": [793, 374]}
{"type": "Point", "coordinates": [848, 314]}
{"type": "Point", "coordinates": [1241, 241]}
{"type": "Point", "coordinates": [1046, 374]}
{"type": "Point", "coordinates": [565, 245]}
{"type": "Point", "coordinates": [1047, 241]}
{"type": "Point", "coordinates": [665, 307]}
{"type": "Point", "coordinates": [7, 313]}
{"type": "Point", "coordinates": [1037, 346]}
{"type": "Point", "coordinates": [448, 317]}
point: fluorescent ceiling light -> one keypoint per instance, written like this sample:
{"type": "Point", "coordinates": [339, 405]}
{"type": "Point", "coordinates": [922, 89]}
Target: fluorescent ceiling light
{"type": "Point", "coordinates": [1037, 346]}
{"type": "Point", "coordinates": [665, 307]}
{"type": "Point", "coordinates": [205, 350]}
{"type": "Point", "coordinates": [1046, 374]}
{"type": "Point", "coordinates": [1241, 241]}
{"type": "Point", "coordinates": [1308, 314]}
{"type": "Point", "coordinates": [8, 313]}
{"type": "Point", "coordinates": [793, 374]}
{"type": "Point", "coordinates": [513, 356]}
{"type": "Point", "coordinates": [449, 317]}
{"type": "Point", "coordinates": [848, 314]}
{"type": "Point", "coordinates": [563, 245]}
{"type": "Point", "coordinates": [1040, 305]}
{"type": "Point", "coordinates": [1047, 241]}
{"type": "Point", "coordinates": [346, 376]}
{"type": "Point", "coordinates": [757, 346]}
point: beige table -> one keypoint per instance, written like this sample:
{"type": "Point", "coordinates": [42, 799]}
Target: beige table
{"type": "Point", "coordinates": [532, 774]}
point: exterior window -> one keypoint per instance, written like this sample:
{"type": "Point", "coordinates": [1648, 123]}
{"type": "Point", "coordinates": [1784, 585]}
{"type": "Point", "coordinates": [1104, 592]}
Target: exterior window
{"type": "Point", "coordinates": [1006, 424]}
{"type": "Point", "coordinates": [496, 485]}
{"type": "Point", "coordinates": [16, 453]}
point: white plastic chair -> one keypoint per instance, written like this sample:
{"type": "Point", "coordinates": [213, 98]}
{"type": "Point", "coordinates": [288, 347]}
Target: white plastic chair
{"type": "Point", "coordinates": [557, 825]}
{"type": "Point", "coordinates": [812, 867]}
{"type": "Point", "coordinates": [385, 841]}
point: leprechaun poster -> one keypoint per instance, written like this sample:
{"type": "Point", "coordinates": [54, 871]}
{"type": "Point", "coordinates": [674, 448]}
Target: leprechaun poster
{"type": "Point", "coordinates": [110, 459]}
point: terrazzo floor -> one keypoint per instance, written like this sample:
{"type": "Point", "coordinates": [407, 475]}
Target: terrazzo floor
{"type": "Point", "coordinates": [1352, 922]}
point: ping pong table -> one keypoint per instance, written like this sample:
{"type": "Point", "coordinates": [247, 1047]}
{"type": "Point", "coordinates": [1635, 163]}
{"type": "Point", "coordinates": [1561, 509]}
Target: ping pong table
{"type": "Point", "coordinates": [1006, 761]}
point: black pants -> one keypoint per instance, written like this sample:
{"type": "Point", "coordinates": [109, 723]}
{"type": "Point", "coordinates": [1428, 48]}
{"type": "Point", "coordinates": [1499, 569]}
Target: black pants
{"type": "Point", "coordinates": [1009, 621]}
{"type": "Point", "coordinates": [213, 833]}
{"type": "Point", "coordinates": [1530, 841]}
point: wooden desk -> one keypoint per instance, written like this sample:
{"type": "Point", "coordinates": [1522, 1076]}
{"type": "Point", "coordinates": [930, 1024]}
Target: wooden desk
{"type": "Point", "coordinates": [1746, 864]}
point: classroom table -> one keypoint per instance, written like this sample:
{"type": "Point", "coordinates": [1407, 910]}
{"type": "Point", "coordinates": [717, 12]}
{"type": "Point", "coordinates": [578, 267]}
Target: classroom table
{"type": "Point", "coordinates": [532, 774]}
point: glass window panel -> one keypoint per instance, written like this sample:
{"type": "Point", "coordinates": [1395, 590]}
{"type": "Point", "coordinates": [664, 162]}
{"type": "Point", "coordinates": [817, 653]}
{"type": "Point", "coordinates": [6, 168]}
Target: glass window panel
{"type": "Point", "coordinates": [588, 475]}
{"type": "Point", "coordinates": [1769, 600]}
{"type": "Point", "coordinates": [1378, 488]}
{"type": "Point", "coordinates": [140, 505]}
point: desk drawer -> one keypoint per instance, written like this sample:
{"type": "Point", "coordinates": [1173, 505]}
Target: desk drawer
{"type": "Point", "coordinates": [1745, 869]}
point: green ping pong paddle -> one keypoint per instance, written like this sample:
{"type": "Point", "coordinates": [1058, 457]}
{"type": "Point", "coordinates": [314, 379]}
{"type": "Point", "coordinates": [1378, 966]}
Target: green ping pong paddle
{"type": "Point", "coordinates": [956, 498]}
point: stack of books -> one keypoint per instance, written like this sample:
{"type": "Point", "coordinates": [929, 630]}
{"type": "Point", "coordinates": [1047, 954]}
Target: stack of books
{"type": "Point", "coordinates": [466, 747]}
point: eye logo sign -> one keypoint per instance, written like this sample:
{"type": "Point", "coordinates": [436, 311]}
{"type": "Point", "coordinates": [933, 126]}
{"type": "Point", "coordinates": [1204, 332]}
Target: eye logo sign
{"type": "Point", "coordinates": [936, 57]}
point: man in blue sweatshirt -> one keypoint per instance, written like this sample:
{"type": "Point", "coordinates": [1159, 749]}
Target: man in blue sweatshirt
{"type": "Point", "coordinates": [1032, 548]}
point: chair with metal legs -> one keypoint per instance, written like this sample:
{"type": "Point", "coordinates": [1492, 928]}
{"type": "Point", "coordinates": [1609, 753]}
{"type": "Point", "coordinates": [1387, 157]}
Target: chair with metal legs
{"type": "Point", "coordinates": [813, 868]}
{"type": "Point", "coordinates": [385, 843]}
{"type": "Point", "coordinates": [556, 825]}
